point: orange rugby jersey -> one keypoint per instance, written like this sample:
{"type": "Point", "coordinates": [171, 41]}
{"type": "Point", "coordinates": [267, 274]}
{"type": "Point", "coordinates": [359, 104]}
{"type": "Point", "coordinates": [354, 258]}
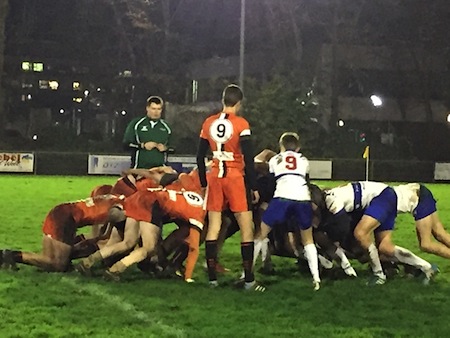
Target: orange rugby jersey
{"type": "Point", "coordinates": [94, 210]}
{"type": "Point", "coordinates": [223, 132]}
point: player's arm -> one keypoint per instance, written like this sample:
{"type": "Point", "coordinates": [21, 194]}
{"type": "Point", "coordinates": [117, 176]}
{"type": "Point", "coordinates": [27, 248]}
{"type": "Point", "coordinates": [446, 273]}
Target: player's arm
{"type": "Point", "coordinates": [247, 151]}
{"type": "Point", "coordinates": [105, 232]}
{"type": "Point", "coordinates": [138, 172]}
{"type": "Point", "coordinates": [203, 146]}
{"type": "Point", "coordinates": [307, 173]}
{"type": "Point", "coordinates": [129, 141]}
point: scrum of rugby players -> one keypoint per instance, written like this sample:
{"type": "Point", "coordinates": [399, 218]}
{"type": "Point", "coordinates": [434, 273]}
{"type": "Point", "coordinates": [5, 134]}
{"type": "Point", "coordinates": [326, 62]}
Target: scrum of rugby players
{"type": "Point", "coordinates": [348, 217]}
{"type": "Point", "coordinates": [344, 220]}
{"type": "Point", "coordinates": [60, 243]}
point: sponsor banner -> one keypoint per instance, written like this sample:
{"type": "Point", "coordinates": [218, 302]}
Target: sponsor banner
{"type": "Point", "coordinates": [108, 164]}
{"type": "Point", "coordinates": [17, 162]}
{"type": "Point", "coordinates": [115, 164]}
{"type": "Point", "coordinates": [442, 171]}
{"type": "Point", "coordinates": [182, 163]}
{"type": "Point", "coordinates": [320, 169]}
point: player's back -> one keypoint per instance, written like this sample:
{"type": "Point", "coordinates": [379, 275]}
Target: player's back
{"type": "Point", "coordinates": [407, 197]}
{"type": "Point", "coordinates": [223, 132]}
{"type": "Point", "coordinates": [290, 170]}
{"type": "Point", "coordinates": [94, 210]}
{"type": "Point", "coordinates": [189, 182]}
{"type": "Point", "coordinates": [187, 205]}
{"type": "Point", "coordinates": [355, 195]}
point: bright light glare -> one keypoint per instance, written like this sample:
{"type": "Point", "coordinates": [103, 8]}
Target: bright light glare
{"type": "Point", "coordinates": [61, 111]}
{"type": "Point", "coordinates": [340, 123]}
{"type": "Point", "coordinates": [53, 84]}
{"type": "Point", "coordinates": [376, 101]}
{"type": "Point", "coordinates": [35, 137]}
{"type": "Point", "coordinates": [448, 118]}
{"type": "Point", "coordinates": [86, 92]}
{"type": "Point", "coordinates": [123, 113]}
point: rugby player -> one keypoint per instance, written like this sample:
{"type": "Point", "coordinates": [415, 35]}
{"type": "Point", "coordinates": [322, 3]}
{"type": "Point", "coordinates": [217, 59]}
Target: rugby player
{"type": "Point", "coordinates": [60, 227]}
{"type": "Point", "coordinates": [418, 200]}
{"type": "Point", "coordinates": [291, 198]}
{"type": "Point", "coordinates": [377, 205]}
{"type": "Point", "coordinates": [178, 200]}
{"type": "Point", "coordinates": [232, 180]}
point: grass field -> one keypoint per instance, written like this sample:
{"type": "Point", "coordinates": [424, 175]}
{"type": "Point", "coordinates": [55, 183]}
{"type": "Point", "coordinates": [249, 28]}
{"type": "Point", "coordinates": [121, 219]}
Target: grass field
{"type": "Point", "coordinates": [38, 304]}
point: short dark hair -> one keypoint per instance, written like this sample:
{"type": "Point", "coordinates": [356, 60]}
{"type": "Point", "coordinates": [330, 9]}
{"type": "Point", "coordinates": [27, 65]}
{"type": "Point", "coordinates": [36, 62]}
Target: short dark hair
{"type": "Point", "coordinates": [290, 141]}
{"type": "Point", "coordinates": [155, 99]}
{"type": "Point", "coordinates": [232, 94]}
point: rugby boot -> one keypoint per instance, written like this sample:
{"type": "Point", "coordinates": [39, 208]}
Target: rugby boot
{"type": "Point", "coordinates": [82, 269]}
{"type": "Point", "coordinates": [8, 260]}
{"type": "Point", "coordinates": [254, 286]}
{"type": "Point", "coordinates": [316, 285]}
{"type": "Point", "coordinates": [430, 274]}
{"type": "Point", "coordinates": [377, 280]}
{"type": "Point", "coordinates": [111, 276]}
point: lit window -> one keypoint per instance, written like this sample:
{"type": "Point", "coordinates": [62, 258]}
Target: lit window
{"type": "Point", "coordinates": [76, 85]}
{"type": "Point", "coordinates": [27, 85]}
{"type": "Point", "coordinates": [26, 66]}
{"type": "Point", "coordinates": [53, 84]}
{"type": "Point", "coordinates": [43, 84]}
{"type": "Point", "coordinates": [77, 99]}
{"type": "Point", "coordinates": [38, 67]}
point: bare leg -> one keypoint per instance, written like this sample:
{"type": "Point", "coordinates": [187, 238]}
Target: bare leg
{"type": "Point", "coordinates": [363, 233]}
{"type": "Point", "coordinates": [131, 236]}
{"type": "Point", "coordinates": [54, 257]}
{"type": "Point", "coordinates": [150, 235]}
{"type": "Point", "coordinates": [431, 226]}
{"type": "Point", "coordinates": [311, 255]}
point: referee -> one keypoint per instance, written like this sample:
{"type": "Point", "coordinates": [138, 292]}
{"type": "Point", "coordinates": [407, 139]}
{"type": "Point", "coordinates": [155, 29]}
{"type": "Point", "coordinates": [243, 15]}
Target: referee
{"type": "Point", "coordinates": [147, 137]}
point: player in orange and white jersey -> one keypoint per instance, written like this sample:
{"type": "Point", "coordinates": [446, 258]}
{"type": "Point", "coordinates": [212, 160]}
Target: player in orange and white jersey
{"type": "Point", "coordinates": [60, 227]}
{"type": "Point", "coordinates": [232, 180]}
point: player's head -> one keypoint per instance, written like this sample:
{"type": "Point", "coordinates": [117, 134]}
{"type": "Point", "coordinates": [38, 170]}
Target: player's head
{"type": "Point", "coordinates": [289, 141]}
{"type": "Point", "coordinates": [154, 107]}
{"type": "Point", "coordinates": [232, 96]}
{"type": "Point", "coordinates": [104, 189]}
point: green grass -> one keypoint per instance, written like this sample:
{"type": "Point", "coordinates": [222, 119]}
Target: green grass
{"type": "Point", "coordinates": [38, 304]}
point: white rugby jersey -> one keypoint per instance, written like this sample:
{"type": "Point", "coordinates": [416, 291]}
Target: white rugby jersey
{"type": "Point", "coordinates": [407, 197]}
{"type": "Point", "coordinates": [355, 195]}
{"type": "Point", "coordinates": [290, 169]}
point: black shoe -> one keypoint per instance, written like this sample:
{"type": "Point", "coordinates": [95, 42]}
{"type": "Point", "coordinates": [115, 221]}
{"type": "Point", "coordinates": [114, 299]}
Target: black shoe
{"type": "Point", "coordinates": [8, 260]}
{"type": "Point", "coordinates": [83, 269]}
{"type": "Point", "coordinates": [111, 276]}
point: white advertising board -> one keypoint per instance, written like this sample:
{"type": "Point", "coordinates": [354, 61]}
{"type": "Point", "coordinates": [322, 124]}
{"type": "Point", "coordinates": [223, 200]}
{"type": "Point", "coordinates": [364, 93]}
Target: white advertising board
{"type": "Point", "coordinates": [442, 171]}
{"type": "Point", "coordinates": [108, 164]}
{"type": "Point", "coordinates": [320, 169]}
{"type": "Point", "coordinates": [16, 162]}
{"type": "Point", "coordinates": [115, 164]}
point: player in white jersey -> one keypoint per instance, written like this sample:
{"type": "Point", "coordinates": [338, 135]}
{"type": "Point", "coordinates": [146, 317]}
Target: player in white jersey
{"type": "Point", "coordinates": [418, 200]}
{"type": "Point", "coordinates": [291, 198]}
{"type": "Point", "coordinates": [378, 205]}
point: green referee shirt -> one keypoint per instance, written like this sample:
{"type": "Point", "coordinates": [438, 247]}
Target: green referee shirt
{"type": "Point", "coordinates": [142, 130]}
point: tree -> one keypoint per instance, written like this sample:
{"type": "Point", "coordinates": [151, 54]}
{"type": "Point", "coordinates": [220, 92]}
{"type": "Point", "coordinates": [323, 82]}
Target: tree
{"type": "Point", "coordinates": [279, 105]}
